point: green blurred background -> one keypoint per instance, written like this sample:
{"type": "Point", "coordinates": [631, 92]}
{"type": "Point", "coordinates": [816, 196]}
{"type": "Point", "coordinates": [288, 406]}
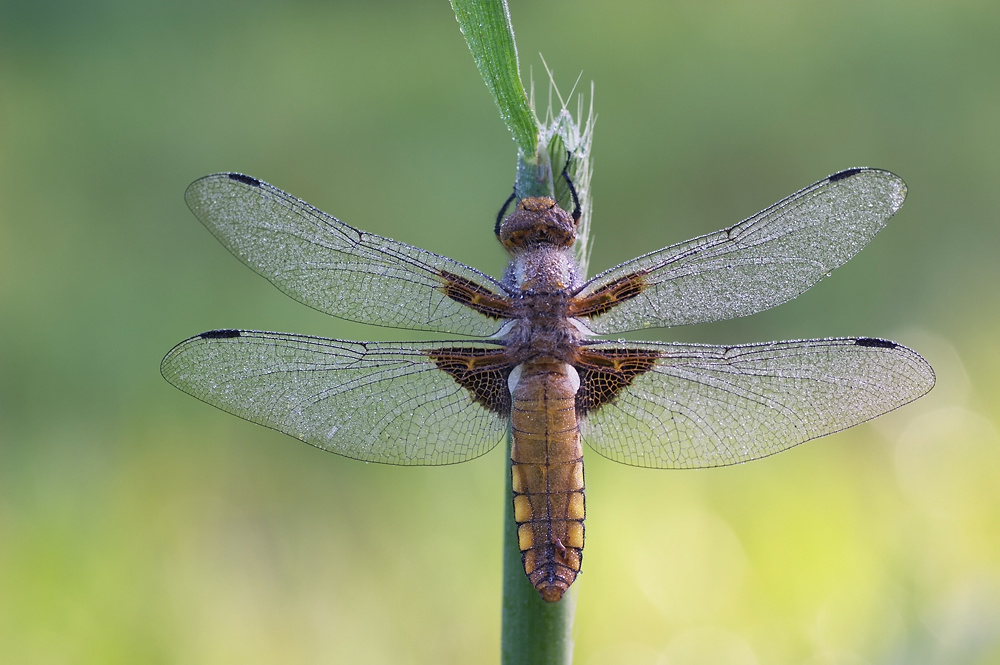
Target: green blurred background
{"type": "Point", "coordinates": [138, 525]}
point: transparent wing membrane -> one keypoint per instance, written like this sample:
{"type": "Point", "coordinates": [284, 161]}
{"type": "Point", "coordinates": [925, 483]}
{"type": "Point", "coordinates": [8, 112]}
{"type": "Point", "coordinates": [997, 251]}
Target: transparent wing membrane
{"type": "Point", "coordinates": [705, 406]}
{"type": "Point", "coordinates": [761, 262]}
{"type": "Point", "coordinates": [335, 268]}
{"type": "Point", "coordinates": [372, 401]}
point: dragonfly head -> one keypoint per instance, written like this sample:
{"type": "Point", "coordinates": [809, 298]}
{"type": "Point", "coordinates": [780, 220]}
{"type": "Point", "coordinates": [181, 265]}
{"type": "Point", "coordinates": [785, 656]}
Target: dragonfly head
{"type": "Point", "coordinates": [538, 220]}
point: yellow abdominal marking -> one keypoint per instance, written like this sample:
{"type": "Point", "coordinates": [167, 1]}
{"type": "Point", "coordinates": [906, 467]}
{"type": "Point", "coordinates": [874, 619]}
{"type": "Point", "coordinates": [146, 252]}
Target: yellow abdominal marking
{"type": "Point", "coordinates": [522, 509]}
{"type": "Point", "coordinates": [525, 538]}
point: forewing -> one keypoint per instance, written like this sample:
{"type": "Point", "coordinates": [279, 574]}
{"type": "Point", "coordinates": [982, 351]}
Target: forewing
{"type": "Point", "coordinates": [372, 401]}
{"type": "Point", "coordinates": [761, 262]}
{"type": "Point", "coordinates": [683, 406]}
{"type": "Point", "coordinates": [337, 269]}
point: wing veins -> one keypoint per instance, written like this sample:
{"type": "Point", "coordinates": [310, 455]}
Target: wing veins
{"type": "Point", "coordinates": [702, 406]}
{"type": "Point", "coordinates": [333, 267]}
{"type": "Point", "coordinates": [765, 260]}
{"type": "Point", "coordinates": [380, 402]}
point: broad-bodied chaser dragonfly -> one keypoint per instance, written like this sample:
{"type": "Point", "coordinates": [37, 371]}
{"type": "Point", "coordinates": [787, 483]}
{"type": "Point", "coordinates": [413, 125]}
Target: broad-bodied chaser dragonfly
{"type": "Point", "coordinates": [534, 363]}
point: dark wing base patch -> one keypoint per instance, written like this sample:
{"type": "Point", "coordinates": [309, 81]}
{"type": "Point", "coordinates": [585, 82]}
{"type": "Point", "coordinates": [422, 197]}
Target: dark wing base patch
{"type": "Point", "coordinates": [605, 373]}
{"type": "Point", "coordinates": [614, 292]}
{"type": "Point", "coordinates": [475, 296]}
{"type": "Point", "coordinates": [483, 372]}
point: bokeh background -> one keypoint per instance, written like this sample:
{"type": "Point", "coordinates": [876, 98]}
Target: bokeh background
{"type": "Point", "coordinates": [138, 525]}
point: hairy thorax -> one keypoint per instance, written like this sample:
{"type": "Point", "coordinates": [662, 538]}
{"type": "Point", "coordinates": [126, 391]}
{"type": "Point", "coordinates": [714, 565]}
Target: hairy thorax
{"type": "Point", "coordinates": [543, 277]}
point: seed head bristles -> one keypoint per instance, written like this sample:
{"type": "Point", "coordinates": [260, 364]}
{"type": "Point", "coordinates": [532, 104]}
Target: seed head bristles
{"type": "Point", "coordinates": [559, 134]}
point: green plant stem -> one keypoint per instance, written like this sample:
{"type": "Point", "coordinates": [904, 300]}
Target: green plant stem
{"type": "Point", "coordinates": [533, 631]}
{"type": "Point", "coordinates": [490, 36]}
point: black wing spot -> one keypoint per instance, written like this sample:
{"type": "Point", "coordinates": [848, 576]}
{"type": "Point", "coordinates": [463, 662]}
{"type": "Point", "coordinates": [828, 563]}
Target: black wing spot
{"type": "Point", "coordinates": [843, 175]}
{"type": "Point", "coordinates": [875, 343]}
{"type": "Point", "coordinates": [220, 334]}
{"type": "Point", "coordinates": [245, 179]}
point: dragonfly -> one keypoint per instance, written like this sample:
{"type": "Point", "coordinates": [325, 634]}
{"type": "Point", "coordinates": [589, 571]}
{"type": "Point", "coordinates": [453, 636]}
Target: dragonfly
{"type": "Point", "coordinates": [531, 360]}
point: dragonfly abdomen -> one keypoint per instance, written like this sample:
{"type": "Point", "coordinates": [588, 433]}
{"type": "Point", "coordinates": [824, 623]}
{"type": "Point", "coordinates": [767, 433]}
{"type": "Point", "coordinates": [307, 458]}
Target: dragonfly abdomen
{"type": "Point", "coordinates": [547, 474]}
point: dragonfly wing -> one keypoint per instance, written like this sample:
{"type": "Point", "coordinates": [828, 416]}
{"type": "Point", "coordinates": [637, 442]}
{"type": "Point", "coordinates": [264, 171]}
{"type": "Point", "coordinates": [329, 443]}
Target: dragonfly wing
{"type": "Point", "coordinates": [337, 269]}
{"type": "Point", "coordinates": [688, 406]}
{"type": "Point", "coordinates": [761, 262]}
{"type": "Point", "coordinates": [378, 402]}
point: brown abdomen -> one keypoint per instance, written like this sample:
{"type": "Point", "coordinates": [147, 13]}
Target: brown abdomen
{"type": "Point", "coordinates": [547, 475]}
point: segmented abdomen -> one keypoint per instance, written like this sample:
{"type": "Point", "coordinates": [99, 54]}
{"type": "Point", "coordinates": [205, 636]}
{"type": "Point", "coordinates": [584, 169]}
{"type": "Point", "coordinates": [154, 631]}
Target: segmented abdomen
{"type": "Point", "coordinates": [547, 475]}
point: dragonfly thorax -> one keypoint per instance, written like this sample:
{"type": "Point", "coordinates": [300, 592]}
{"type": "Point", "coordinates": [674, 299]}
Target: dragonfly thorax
{"type": "Point", "coordinates": [542, 274]}
{"type": "Point", "coordinates": [542, 270]}
{"type": "Point", "coordinates": [543, 328]}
